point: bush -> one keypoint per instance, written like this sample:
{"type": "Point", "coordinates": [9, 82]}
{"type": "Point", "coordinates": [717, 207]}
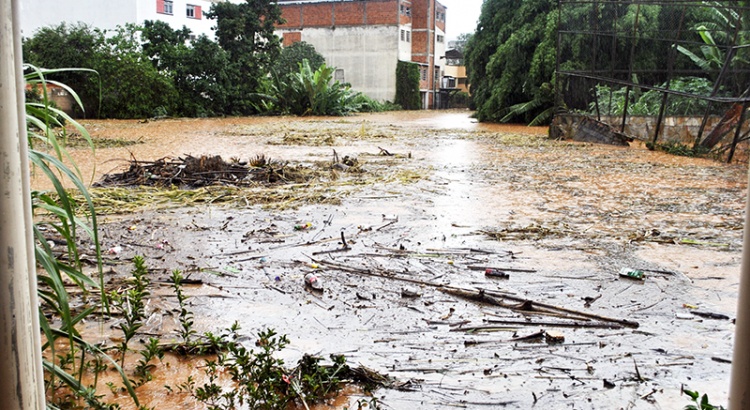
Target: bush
{"type": "Point", "coordinates": [308, 92]}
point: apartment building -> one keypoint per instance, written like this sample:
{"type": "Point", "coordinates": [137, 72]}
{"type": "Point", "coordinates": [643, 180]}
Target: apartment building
{"type": "Point", "coordinates": [365, 39]}
{"type": "Point", "coordinates": [107, 15]}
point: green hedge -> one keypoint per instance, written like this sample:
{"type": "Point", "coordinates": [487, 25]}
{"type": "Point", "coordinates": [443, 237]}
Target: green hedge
{"type": "Point", "coordinates": [407, 86]}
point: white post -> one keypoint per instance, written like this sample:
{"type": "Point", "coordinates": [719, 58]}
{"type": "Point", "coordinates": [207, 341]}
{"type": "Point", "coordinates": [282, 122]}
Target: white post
{"type": "Point", "coordinates": [739, 386]}
{"type": "Point", "coordinates": [21, 378]}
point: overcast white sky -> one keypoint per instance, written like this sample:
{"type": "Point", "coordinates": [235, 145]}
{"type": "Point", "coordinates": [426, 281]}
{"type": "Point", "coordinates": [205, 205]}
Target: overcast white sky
{"type": "Point", "coordinates": [461, 17]}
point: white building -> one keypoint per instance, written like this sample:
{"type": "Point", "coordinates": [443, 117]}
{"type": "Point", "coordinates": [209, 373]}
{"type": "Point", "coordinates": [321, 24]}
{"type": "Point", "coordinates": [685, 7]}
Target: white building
{"type": "Point", "coordinates": [109, 14]}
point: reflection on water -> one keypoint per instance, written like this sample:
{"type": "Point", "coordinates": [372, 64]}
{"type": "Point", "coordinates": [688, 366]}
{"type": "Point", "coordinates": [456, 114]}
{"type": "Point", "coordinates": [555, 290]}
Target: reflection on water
{"type": "Point", "coordinates": [245, 137]}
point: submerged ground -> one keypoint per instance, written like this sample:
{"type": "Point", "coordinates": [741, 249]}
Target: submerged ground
{"type": "Point", "coordinates": [421, 224]}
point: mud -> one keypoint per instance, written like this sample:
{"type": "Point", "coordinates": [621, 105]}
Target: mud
{"type": "Point", "coordinates": [561, 217]}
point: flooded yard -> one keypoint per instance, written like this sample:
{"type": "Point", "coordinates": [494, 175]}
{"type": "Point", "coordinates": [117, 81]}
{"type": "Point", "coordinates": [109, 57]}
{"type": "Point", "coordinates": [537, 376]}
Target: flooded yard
{"type": "Point", "coordinates": [402, 249]}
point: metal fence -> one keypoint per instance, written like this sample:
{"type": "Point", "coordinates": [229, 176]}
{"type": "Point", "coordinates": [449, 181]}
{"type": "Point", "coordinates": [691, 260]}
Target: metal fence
{"type": "Point", "coordinates": [664, 72]}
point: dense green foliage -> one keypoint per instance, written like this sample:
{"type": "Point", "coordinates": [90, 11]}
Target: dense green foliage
{"type": "Point", "coordinates": [308, 92]}
{"type": "Point", "coordinates": [407, 86]}
{"type": "Point", "coordinates": [245, 32]}
{"type": "Point", "coordinates": [612, 101]}
{"type": "Point", "coordinates": [156, 71]}
{"type": "Point", "coordinates": [510, 57]}
{"type": "Point", "coordinates": [163, 74]}
{"type": "Point", "coordinates": [292, 56]}
{"type": "Point", "coordinates": [124, 84]}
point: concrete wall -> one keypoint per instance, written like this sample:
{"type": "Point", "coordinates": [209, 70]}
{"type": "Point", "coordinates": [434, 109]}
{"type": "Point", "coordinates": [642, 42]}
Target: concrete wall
{"type": "Point", "coordinates": [356, 50]}
{"type": "Point", "coordinates": [108, 14]}
{"type": "Point", "coordinates": [404, 44]}
{"type": "Point", "coordinates": [677, 130]}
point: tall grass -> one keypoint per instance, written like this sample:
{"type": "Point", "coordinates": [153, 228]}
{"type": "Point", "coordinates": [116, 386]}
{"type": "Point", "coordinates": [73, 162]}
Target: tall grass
{"type": "Point", "coordinates": [55, 212]}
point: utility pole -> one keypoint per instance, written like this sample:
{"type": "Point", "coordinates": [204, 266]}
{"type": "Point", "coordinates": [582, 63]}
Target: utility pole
{"type": "Point", "coordinates": [739, 386]}
{"type": "Point", "coordinates": [21, 377]}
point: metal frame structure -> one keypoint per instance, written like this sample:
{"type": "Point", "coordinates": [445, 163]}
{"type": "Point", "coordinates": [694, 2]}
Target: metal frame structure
{"type": "Point", "coordinates": [636, 45]}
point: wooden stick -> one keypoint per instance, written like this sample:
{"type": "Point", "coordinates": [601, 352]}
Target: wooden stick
{"type": "Point", "coordinates": [556, 324]}
{"type": "Point", "coordinates": [473, 267]}
{"type": "Point", "coordinates": [487, 296]}
{"type": "Point", "coordinates": [624, 322]}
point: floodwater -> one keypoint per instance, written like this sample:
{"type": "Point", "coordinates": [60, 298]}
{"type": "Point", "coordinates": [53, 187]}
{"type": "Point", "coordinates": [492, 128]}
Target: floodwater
{"type": "Point", "coordinates": [562, 218]}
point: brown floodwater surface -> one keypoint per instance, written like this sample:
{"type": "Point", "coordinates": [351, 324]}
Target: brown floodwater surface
{"type": "Point", "coordinates": [563, 218]}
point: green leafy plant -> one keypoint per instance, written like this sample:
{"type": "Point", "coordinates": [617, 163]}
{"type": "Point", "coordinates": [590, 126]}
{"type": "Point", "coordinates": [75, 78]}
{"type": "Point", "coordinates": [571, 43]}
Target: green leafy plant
{"type": "Point", "coordinates": [701, 402]}
{"type": "Point", "coordinates": [144, 366]}
{"type": "Point", "coordinates": [308, 92]}
{"type": "Point", "coordinates": [131, 303]}
{"type": "Point", "coordinates": [260, 381]}
{"type": "Point", "coordinates": [315, 381]}
{"type": "Point", "coordinates": [186, 316]}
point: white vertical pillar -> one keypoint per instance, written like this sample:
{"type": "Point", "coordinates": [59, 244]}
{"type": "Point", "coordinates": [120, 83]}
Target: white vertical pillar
{"type": "Point", "coordinates": [739, 387]}
{"type": "Point", "coordinates": [21, 378]}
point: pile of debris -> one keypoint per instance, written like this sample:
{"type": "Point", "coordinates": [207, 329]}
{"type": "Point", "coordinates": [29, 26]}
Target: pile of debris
{"type": "Point", "coordinates": [194, 172]}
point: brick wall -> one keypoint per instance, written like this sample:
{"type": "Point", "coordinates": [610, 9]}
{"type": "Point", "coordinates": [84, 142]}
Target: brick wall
{"type": "Point", "coordinates": [382, 12]}
{"type": "Point", "coordinates": [317, 15]}
{"type": "Point", "coordinates": [349, 13]}
{"type": "Point", "coordinates": [291, 37]}
{"type": "Point", "coordinates": [419, 40]}
{"type": "Point", "coordinates": [403, 18]}
{"type": "Point", "coordinates": [440, 9]}
{"type": "Point", "coordinates": [293, 16]}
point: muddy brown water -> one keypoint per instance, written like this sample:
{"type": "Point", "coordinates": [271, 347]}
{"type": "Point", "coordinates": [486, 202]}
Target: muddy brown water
{"type": "Point", "coordinates": [566, 217]}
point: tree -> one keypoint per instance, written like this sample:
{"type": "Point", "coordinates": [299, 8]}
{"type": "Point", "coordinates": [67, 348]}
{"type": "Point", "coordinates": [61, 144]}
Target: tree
{"type": "Point", "coordinates": [127, 84]}
{"type": "Point", "coordinates": [292, 56]}
{"type": "Point", "coordinates": [205, 78]}
{"type": "Point", "coordinates": [68, 46]}
{"type": "Point", "coordinates": [511, 59]}
{"type": "Point", "coordinates": [461, 41]}
{"type": "Point", "coordinates": [245, 32]}
{"type": "Point", "coordinates": [131, 86]}
{"type": "Point", "coordinates": [162, 44]}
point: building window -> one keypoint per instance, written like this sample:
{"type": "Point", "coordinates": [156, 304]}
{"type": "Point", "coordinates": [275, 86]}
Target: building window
{"type": "Point", "coordinates": [338, 75]}
{"type": "Point", "coordinates": [405, 10]}
{"type": "Point", "coordinates": [193, 12]}
{"type": "Point", "coordinates": [440, 16]}
{"type": "Point", "coordinates": [408, 36]}
{"type": "Point", "coordinates": [403, 35]}
{"type": "Point", "coordinates": [164, 6]}
{"type": "Point", "coordinates": [440, 38]}
{"type": "Point", "coordinates": [424, 73]}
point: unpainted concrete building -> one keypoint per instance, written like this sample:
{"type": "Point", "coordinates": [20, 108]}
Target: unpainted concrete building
{"type": "Point", "coordinates": [365, 39]}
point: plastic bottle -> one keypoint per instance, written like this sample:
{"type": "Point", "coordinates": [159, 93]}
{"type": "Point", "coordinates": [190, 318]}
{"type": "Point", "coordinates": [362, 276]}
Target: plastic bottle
{"type": "Point", "coordinates": [632, 273]}
{"type": "Point", "coordinates": [313, 281]}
